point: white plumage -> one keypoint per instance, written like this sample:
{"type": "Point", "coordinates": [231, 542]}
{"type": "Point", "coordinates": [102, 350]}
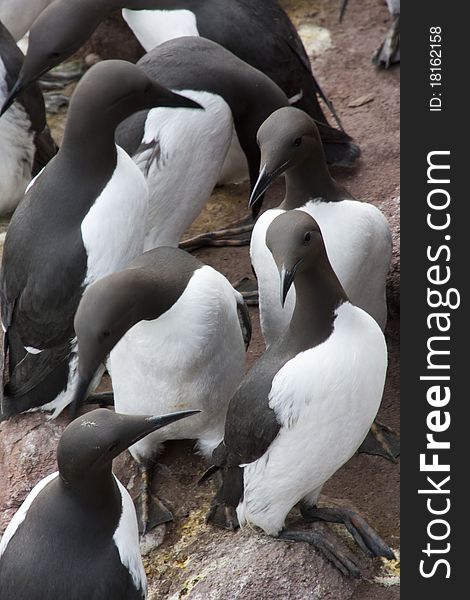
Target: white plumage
{"type": "Point", "coordinates": [113, 229]}
{"type": "Point", "coordinates": [325, 399]}
{"type": "Point", "coordinates": [16, 150]}
{"type": "Point", "coordinates": [359, 245]}
{"type": "Point", "coordinates": [191, 357]}
{"type": "Point", "coordinates": [153, 27]}
{"type": "Point", "coordinates": [182, 175]}
{"type": "Point", "coordinates": [126, 538]}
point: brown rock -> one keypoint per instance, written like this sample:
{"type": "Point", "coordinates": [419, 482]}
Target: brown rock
{"type": "Point", "coordinates": [27, 454]}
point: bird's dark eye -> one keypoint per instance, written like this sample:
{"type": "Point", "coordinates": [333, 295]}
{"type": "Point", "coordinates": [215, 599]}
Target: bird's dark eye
{"type": "Point", "coordinates": [307, 237]}
{"type": "Point", "coordinates": [297, 141]}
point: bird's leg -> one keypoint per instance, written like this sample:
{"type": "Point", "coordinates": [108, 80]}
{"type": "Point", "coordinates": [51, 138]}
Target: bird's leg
{"type": "Point", "coordinates": [223, 508]}
{"type": "Point", "coordinates": [389, 51]}
{"type": "Point", "coordinates": [330, 550]}
{"type": "Point", "coordinates": [238, 234]}
{"type": "Point", "coordinates": [223, 516]}
{"type": "Point", "coordinates": [150, 510]}
{"type": "Point", "coordinates": [366, 538]}
{"type": "Point", "coordinates": [381, 441]}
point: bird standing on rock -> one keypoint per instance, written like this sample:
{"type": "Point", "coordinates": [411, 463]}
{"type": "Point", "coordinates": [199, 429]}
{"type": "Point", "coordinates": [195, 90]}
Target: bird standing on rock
{"type": "Point", "coordinates": [356, 234]}
{"type": "Point", "coordinates": [307, 404]}
{"type": "Point", "coordinates": [83, 217]}
{"type": "Point", "coordinates": [26, 145]}
{"type": "Point", "coordinates": [75, 536]}
{"type": "Point", "coordinates": [175, 330]}
{"type": "Point", "coordinates": [260, 33]}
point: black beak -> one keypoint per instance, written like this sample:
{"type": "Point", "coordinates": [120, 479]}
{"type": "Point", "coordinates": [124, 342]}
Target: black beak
{"type": "Point", "coordinates": [287, 279]}
{"type": "Point", "coordinates": [173, 100]}
{"type": "Point", "coordinates": [14, 93]}
{"type": "Point", "coordinates": [344, 5]}
{"type": "Point", "coordinates": [133, 428]}
{"type": "Point", "coordinates": [150, 424]}
{"type": "Point", "coordinates": [80, 394]}
{"type": "Point", "coordinates": [159, 422]}
{"type": "Point", "coordinates": [265, 180]}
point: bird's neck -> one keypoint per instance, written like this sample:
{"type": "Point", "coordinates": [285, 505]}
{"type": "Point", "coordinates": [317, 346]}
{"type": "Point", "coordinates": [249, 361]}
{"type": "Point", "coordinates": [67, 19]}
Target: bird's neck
{"type": "Point", "coordinates": [318, 295]}
{"type": "Point", "coordinates": [96, 140]}
{"type": "Point", "coordinates": [96, 490]}
{"type": "Point", "coordinates": [308, 180]}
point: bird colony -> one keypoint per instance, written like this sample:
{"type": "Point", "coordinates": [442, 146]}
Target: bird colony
{"type": "Point", "coordinates": [94, 278]}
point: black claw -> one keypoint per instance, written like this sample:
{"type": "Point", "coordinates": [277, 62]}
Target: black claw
{"type": "Point", "coordinates": [329, 550]}
{"type": "Point", "coordinates": [366, 538]}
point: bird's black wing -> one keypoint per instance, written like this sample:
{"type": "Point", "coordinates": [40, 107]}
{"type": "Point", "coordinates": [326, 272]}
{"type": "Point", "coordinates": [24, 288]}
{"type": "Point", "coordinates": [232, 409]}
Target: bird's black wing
{"type": "Point", "coordinates": [251, 424]}
{"type": "Point", "coordinates": [245, 320]}
{"type": "Point", "coordinates": [40, 288]}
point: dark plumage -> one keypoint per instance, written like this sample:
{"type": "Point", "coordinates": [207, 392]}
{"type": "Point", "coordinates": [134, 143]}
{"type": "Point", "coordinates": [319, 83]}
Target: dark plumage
{"type": "Point", "coordinates": [260, 33]}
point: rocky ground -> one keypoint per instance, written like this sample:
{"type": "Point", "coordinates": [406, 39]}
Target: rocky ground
{"type": "Point", "coordinates": [192, 560]}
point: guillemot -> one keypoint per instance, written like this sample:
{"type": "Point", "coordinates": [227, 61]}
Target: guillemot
{"type": "Point", "coordinates": [306, 405]}
{"type": "Point", "coordinates": [236, 97]}
{"type": "Point", "coordinates": [356, 234]}
{"type": "Point", "coordinates": [75, 536]}
{"type": "Point", "coordinates": [175, 331]}
{"type": "Point", "coordinates": [261, 34]}
{"type": "Point", "coordinates": [26, 145]}
{"type": "Point", "coordinates": [82, 217]}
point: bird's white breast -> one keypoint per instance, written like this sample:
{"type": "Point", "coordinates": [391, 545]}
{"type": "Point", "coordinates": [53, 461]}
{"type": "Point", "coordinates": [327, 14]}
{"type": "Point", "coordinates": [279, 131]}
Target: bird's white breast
{"type": "Point", "coordinates": [153, 27]}
{"type": "Point", "coordinates": [113, 229]}
{"type": "Point", "coordinates": [187, 150]}
{"type": "Point", "coordinates": [126, 538]}
{"type": "Point", "coordinates": [325, 400]}
{"type": "Point", "coordinates": [16, 150]}
{"type": "Point", "coordinates": [191, 357]}
{"type": "Point", "coordinates": [274, 318]}
{"type": "Point", "coordinates": [21, 513]}
{"type": "Point", "coordinates": [359, 245]}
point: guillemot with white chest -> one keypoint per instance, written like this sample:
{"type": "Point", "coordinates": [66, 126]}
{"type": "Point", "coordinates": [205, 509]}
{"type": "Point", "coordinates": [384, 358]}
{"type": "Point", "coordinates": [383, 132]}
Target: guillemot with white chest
{"type": "Point", "coordinates": [306, 405]}
{"type": "Point", "coordinates": [236, 97]}
{"type": "Point", "coordinates": [83, 217]}
{"type": "Point", "coordinates": [356, 234]}
{"type": "Point", "coordinates": [75, 536]}
{"type": "Point", "coordinates": [175, 331]}
{"type": "Point", "coordinates": [26, 145]}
